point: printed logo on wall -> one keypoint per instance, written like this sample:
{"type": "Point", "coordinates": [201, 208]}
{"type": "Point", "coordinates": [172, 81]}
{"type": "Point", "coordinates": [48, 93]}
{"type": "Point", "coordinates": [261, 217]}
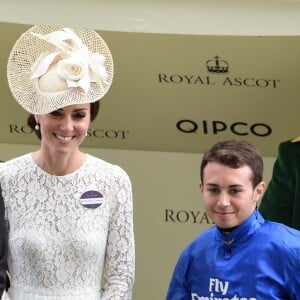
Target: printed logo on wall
{"type": "Point", "coordinates": [214, 127]}
{"type": "Point", "coordinates": [217, 65]}
{"type": "Point", "coordinates": [186, 216]}
{"type": "Point", "coordinates": [96, 133]}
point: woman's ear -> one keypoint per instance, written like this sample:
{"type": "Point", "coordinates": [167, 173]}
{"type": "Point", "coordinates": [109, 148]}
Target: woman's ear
{"type": "Point", "coordinates": [36, 119]}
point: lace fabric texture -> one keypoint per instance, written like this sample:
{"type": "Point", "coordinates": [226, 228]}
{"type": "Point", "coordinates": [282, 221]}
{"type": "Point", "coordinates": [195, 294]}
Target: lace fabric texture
{"type": "Point", "coordinates": [58, 248]}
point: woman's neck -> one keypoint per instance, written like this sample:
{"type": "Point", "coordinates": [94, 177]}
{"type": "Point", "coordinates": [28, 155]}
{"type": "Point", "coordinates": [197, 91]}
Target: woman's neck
{"type": "Point", "coordinates": [59, 165]}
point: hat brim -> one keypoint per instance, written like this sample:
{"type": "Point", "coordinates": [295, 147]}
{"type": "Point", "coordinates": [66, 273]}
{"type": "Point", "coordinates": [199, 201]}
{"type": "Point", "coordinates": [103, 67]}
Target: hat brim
{"type": "Point", "coordinates": [26, 91]}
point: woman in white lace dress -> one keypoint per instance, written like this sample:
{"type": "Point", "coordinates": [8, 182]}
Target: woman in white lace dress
{"type": "Point", "coordinates": [69, 213]}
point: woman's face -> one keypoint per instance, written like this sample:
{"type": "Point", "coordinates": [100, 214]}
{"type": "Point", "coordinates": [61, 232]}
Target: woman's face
{"type": "Point", "coordinates": [63, 130]}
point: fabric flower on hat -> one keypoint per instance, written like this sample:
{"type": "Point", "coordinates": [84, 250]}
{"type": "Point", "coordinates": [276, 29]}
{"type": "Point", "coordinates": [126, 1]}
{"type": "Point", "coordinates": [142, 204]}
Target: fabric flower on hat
{"type": "Point", "coordinates": [75, 64]}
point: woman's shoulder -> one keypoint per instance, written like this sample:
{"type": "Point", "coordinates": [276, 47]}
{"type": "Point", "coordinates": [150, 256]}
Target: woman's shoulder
{"type": "Point", "coordinates": [18, 162]}
{"type": "Point", "coordinates": [98, 164]}
{"type": "Point", "coordinates": [16, 167]}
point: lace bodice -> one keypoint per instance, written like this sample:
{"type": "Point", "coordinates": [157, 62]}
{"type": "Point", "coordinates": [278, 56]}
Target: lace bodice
{"type": "Point", "coordinates": [59, 245]}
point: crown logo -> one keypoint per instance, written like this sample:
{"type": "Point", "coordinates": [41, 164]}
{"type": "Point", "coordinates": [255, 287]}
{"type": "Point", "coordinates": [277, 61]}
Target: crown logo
{"type": "Point", "coordinates": [217, 65]}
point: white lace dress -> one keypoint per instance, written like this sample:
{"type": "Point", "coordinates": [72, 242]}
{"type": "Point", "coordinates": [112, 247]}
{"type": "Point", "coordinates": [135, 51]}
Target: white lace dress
{"type": "Point", "coordinates": [65, 232]}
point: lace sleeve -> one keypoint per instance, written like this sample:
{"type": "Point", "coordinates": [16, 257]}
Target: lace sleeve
{"type": "Point", "coordinates": [120, 252]}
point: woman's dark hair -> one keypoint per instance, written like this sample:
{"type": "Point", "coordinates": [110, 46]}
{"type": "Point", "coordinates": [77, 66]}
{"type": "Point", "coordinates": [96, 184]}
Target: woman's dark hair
{"type": "Point", "coordinates": [95, 107]}
{"type": "Point", "coordinates": [235, 154]}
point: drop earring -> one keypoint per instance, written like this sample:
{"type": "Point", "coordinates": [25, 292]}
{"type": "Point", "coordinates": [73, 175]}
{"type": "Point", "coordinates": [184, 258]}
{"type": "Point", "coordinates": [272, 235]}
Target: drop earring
{"type": "Point", "coordinates": [37, 127]}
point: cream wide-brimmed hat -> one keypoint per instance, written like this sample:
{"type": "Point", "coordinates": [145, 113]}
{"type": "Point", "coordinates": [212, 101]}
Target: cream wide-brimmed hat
{"type": "Point", "coordinates": [52, 67]}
